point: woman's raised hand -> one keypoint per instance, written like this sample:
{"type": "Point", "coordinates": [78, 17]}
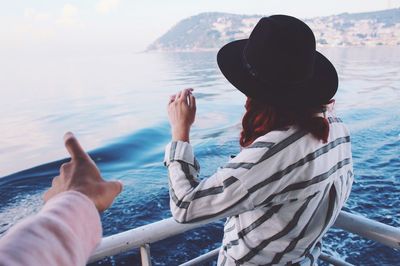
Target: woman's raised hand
{"type": "Point", "coordinates": [81, 174]}
{"type": "Point", "coordinates": [181, 113]}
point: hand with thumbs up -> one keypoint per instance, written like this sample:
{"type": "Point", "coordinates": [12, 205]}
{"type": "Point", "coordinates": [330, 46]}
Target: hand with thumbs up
{"type": "Point", "coordinates": [81, 174]}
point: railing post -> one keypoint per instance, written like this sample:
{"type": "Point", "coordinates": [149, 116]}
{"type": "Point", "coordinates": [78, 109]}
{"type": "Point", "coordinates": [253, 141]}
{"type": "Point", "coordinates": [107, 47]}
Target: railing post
{"type": "Point", "coordinates": [332, 260]}
{"type": "Point", "coordinates": [145, 255]}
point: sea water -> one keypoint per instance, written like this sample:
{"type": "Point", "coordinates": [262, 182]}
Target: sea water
{"type": "Point", "coordinates": [116, 105]}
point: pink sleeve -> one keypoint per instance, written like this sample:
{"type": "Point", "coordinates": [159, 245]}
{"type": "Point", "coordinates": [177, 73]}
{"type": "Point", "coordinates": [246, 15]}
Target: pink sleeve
{"type": "Point", "coordinates": [65, 232]}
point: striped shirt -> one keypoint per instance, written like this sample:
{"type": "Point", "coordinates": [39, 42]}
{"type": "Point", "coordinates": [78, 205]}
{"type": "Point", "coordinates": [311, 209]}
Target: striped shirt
{"type": "Point", "coordinates": [280, 195]}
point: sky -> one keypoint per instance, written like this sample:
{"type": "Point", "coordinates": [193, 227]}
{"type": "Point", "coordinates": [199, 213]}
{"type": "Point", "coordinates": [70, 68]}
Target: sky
{"type": "Point", "coordinates": [88, 25]}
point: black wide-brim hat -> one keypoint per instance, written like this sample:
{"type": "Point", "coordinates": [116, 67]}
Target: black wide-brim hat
{"type": "Point", "coordinates": [279, 65]}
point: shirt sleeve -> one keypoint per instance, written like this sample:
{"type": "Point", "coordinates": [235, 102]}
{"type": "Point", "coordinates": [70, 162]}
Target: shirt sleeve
{"type": "Point", "coordinates": [65, 232]}
{"type": "Point", "coordinates": [221, 195]}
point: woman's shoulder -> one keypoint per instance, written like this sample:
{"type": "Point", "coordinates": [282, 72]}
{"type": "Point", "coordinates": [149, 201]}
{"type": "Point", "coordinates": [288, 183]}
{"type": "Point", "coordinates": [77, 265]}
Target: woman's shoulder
{"type": "Point", "coordinates": [277, 135]}
{"type": "Point", "coordinates": [337, 125]}
{"type": "Point", "coordinates": [293, 133]}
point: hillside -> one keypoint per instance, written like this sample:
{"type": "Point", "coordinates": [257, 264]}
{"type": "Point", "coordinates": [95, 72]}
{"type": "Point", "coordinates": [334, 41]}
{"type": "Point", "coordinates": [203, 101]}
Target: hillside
{"type": "Point", "coordinates": [209, 31]}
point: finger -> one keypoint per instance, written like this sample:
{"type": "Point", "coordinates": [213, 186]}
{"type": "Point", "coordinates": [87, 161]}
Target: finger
{"type": "Point", "coordinates": [192, 101]}
{"type": "Point", "coordinates": [112, 188]}
{"type": "Point", "coordinates": [48, 194]}
{"type": "Point", "coordinates": [74, 148]}
{"type": "Point", "coordinates": [190, 90]}
{"type": "Point", "coordinates": [178, 95]}
{"type": "Point", "coordinates": [171, 99]}
{"type": "Point", "coordinates": [64, 167]}
{"type": "Point", "coordinates": [184, 94]}
{"type": "Point", "coordinates": [55, 180]}
{"type": "Point", "coordinates": [115, 187]}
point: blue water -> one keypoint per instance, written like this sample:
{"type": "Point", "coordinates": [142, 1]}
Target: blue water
{"type": "Point", "coordinates": [116, 106]}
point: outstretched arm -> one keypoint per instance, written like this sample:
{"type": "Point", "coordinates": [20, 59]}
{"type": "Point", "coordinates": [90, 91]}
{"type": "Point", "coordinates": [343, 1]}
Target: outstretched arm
{"type": "Point", "coordinates": [64, 232]}
{"type": "Point", "coordinates": [68, 228]}
{"type": "Point", "coordinates": [221, 195]}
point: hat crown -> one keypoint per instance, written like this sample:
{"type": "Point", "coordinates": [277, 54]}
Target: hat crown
{"type": "Point", "coordinates": [279, 65]}
{"type": "Point", "coordinates": [281, 49]}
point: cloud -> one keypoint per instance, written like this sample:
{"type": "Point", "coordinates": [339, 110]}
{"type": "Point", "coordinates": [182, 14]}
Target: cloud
{"type": "Point", "coordinates": [106, 6]}
{"type": "Point", "coordinates": [36, 24]}
{"type": "Point", "coordinates": [32, 14]}
{"type": "Point", "coordinates": [69, 16]}
{"type": "Point", "coordinates": [70, 10]}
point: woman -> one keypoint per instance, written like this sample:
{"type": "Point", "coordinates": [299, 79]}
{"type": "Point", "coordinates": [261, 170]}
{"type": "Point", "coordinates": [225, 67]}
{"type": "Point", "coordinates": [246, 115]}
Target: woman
{"type": "Point", "coordinates": [286, 187]}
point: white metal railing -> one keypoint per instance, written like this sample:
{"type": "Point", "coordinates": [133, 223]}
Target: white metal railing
{"type": "Point", "coordinates": [135, 238]}
{"type": "Point", "coordinates": [203, 258]}
{"type": "Point", "coordinates": [213, 255]}
{"type": "Point", "coordinates": [370, 229]}
{"type": "Point", "coordinates": [143, 236]}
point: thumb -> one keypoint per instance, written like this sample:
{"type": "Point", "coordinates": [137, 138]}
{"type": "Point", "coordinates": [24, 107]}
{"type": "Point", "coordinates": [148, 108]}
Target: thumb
{"type": "Point", "coordinates": [192, 101]}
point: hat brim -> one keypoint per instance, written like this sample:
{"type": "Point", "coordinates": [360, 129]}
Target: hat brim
{"type": "Point", "coordinates": [317, 90]}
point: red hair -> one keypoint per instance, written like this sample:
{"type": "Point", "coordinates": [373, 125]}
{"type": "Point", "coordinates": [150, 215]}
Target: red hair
{"type": "Point", "coordinates": [261, 118]}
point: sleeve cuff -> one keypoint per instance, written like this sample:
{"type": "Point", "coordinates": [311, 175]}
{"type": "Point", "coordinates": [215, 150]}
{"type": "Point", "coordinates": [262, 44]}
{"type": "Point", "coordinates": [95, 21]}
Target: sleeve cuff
{"type": "Point", "coordinates": [79, 213]}
{"type": "Point", "coordinates": [179, 151]}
